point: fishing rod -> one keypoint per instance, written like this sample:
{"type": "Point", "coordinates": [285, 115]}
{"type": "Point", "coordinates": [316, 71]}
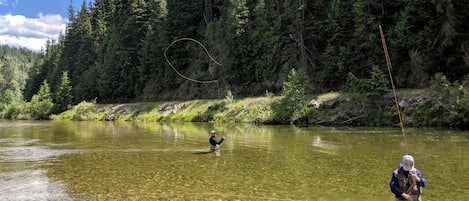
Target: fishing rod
{"type": "Point", "coordinates": [388, 62]}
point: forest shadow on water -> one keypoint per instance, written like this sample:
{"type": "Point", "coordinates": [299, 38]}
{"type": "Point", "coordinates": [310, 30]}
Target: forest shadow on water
{"type": "Point", "coordinates": [155, 161]}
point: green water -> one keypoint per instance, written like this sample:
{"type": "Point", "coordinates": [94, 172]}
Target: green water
{"type": "Point", "coordinates": [153, 161]}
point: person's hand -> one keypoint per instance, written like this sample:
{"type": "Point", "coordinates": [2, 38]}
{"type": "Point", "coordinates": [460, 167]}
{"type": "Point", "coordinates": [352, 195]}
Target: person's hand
{"type": "Point", "coordinates": [407, 197]}
{"type": "Point", "coordinates": [223, 137]}
{"type": "Point", "coordinates": [415, 178]}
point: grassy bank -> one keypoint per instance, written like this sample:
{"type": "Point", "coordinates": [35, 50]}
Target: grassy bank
{"type": "Point", "coordinates": [261, 110]}
{"type": "Point", "coordinates": [441, 105]}
{"type": "Point", "coordinates": [317, 109]}
{"type": "Point", "coordinates": [331, 109]}
{"type": "Point", "coordinates": [221, 110]}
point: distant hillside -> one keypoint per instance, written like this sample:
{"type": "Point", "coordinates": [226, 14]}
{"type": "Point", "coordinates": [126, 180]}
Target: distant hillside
{"type": "Point", "coordinates": [133, 51]}
{"type": "Point", "coordinates": [14, 67]}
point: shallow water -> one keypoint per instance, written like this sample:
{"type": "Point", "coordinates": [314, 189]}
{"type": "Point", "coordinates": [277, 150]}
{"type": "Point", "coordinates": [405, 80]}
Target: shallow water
{"type": "Point", "coordinates": [152, 161]}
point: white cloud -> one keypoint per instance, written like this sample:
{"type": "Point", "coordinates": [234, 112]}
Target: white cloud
{"type": "Point", "coordinates": [31, 33]}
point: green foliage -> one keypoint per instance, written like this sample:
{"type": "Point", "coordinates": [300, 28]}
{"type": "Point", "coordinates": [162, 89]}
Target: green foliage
{"type": "Point", "coordinates": [150, 69]}
{"type": "Point", "coordinates": [247, 110]}
{"type": "Point", "coordinates": [63, 94]}
{"type": "Point", "coordinates": [336, 57]}
{"type": "Point", "coordinates": [293, 103]}
{"type": "Point", "coordinates": [79, 54]}
{"type": "Point", "coordinates": [209, 114]}
{"type": "Point", "coordinates": [16, 110]}
{"type": "Point", "coordinates": [82, 112]}
{"type": "Point", "coordinates": [229, 98]}
{"type": "Point", "coordinates": [7, 96]}
{"type": "Point", "coordinates": [444, 99]}
{"type": "Point", "coordinates": [14, 66]}
{"type": "Point", "coordinates": [377, 84]}
{"type": "Point", "coordinates": [240, 14]}
{"type": "Point", "coordinates": [41, 104]}
{"type": "Point", "coordinates": [112, 50]}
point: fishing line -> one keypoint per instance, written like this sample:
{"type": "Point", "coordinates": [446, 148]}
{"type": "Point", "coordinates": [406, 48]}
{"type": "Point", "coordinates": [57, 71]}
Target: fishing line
{"type": "Point", "coordinates": [388, 61]}
{"type": "Point", "coordinates": [183, 76]}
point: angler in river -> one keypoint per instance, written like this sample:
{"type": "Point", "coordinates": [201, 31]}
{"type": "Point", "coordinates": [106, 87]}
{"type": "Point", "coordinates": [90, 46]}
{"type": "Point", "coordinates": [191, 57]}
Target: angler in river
{"type": "Point", "coordinates": [407, 181]}
{"type": "Point", "coordinates": [214, 143]}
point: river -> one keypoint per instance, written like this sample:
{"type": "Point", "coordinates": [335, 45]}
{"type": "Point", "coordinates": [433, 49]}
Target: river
{"type": "Point", "coordinates": [55, 160]}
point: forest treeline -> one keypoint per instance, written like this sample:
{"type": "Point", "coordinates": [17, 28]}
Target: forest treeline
{"type": "Point", "coordinates": [14, 67]}
{"type": "Point", "coordinates": [114, 50]}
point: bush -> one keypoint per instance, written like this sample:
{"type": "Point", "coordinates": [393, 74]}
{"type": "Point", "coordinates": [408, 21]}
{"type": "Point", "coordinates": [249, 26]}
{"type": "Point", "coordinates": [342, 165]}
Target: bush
{"type": "Point", "coordinates": [16, 110]}
{"type": "Point", "coordinates": [447, 104]}
{"type": "Point", "coordinates": [377, 84]}
{"type": "Point", "coordinates": [82, 112]}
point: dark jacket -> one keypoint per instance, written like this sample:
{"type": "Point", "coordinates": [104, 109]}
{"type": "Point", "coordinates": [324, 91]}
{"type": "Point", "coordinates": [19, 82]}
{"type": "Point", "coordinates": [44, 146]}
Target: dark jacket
{"type": "Point", "coordinates": [214, 142]}
{"type": "Point", "coordinates": [401, 182]}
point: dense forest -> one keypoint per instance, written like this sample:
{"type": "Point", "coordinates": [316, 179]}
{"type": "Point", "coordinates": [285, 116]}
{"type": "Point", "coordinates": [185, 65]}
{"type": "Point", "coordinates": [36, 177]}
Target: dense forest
{"type": "Point", "coordinates": [132, 50]}
{"type": "Point", "coordinates": [15, 64]}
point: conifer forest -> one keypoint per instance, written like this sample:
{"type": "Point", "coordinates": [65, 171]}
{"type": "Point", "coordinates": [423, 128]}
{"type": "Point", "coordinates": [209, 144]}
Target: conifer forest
{"type": "Point", "coordinates": [150, 50]}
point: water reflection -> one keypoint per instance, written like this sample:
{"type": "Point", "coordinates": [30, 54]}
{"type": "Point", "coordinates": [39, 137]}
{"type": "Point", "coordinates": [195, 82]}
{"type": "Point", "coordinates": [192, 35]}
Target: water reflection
{"type": "Point", "coordinates": [31, 185]}
{"type": "Point", "coordinates": [324, 146]}
{"type": "Point", "coordinates": [154, 161]}
{"type": "Point", "coordinates": [24, 149]}
{"type": "Point", "coordinates": [21, 174]}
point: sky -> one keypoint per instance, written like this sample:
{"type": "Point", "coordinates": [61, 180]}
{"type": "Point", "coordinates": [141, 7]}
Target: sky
{"type": "Point", "coordinates": [30, 23]}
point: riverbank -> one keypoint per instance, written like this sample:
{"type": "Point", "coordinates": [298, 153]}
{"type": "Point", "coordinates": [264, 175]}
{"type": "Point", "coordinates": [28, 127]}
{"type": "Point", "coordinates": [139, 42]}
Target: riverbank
{"type": "Point", "coordinates": [329, 109]}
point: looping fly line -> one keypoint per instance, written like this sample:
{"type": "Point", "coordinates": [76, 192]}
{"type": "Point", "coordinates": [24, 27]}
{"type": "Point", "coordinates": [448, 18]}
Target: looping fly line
{"type": "Point", "coordinates": [183, 76]}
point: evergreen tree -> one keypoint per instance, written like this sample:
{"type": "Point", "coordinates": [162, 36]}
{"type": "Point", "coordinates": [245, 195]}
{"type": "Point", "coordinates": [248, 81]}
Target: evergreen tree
{"type": "Point", "coordinates": [366, 52]}
{"type": "Point", "coordinates": [14, 66]}
{"type": "Point", "coordinates": [451, 42]}
{"type": "Point", "coordinates": [271, 40]}
{"type": "Point", "coordinates": [293, 100]}
{"type": "Point", "coordinates": [63, 94]}
{"type": "Point", "coordinates": [118, 71]}
{"type": "Point", "coordinates": [113, 50]}
{"type": "Point", "coordinates": [7, 96]}
{"type": "Point", "coordinates": [79, 55]}
{"type": "Point", "coordinates": [35, 77]}
{"type": "Point", "coordinates": [41, 104]}
{"type": "Point", "coordinates": [239, 57]}
{"type": "Point", "coordinates": [46, 67]}
{"type": "Point", "coordinates": [184, 20]}
{"type": "Point", "coordinates": [9, 78]}
{"type": "Point", "coordinates": [150, 73]}
{"type": "Point", "coordinates": [336, 56]}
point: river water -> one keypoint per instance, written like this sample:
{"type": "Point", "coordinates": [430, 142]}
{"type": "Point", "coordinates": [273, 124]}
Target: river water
{"type": "Point", "coordinates": [53, 160]}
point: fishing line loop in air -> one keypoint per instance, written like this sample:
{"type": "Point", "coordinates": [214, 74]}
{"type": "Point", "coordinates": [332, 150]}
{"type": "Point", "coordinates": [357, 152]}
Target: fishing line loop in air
{"type": "Point", "coordinates": [180, 74]}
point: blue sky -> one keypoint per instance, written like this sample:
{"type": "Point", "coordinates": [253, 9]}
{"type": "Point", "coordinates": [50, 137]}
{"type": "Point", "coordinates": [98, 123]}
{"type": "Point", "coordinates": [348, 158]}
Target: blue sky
{"type": "Point", "coordinates": [29, 23]}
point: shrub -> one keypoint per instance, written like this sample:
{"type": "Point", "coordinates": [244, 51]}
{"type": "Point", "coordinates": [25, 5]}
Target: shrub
{"type": "Point", "coordinates": [81, 112]}
{"type": "Point", "coordinates": [16, 110]}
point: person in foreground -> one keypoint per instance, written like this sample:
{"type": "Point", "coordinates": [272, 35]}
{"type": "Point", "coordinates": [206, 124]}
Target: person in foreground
{"type": "Point", "coordinates": [214, 143]}
{"type": "Point", "coordinates": [407, 181]}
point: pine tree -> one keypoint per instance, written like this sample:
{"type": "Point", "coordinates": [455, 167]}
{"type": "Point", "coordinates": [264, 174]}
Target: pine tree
{"type": "Point", "coordinates": [293, 99]}
{"type": "Point", "coordinates": [63, 94]}
{"type": "Point", "coordinates": [41, 104]}
{"type": "Point", "coordinates": [118, 69]}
